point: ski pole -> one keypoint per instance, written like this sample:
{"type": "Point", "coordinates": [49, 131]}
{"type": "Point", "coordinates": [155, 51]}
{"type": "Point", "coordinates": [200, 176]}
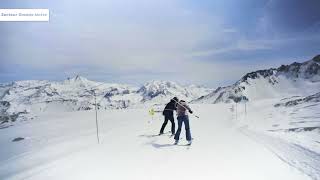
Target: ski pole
{"type": "Point", "coordinates": [185, 108]}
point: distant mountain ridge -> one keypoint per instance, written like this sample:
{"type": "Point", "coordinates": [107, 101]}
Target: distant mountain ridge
{"type": "Point", "coordinates": [295, 79]}
{"type": "Point", "coordinates": [25, 99]}
{"type": "Point", "coordinates": [74, 94]}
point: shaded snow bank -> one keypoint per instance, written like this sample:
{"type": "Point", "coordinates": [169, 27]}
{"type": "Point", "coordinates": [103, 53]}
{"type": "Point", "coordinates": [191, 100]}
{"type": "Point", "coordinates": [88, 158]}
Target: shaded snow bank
{"type": "Point", "coordinates": [291, 131]}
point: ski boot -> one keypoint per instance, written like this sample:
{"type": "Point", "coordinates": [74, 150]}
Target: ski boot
{"type": "Point", "coordinates": [189, 142]}
{"type": "Point", "coordinates": [176, 142]}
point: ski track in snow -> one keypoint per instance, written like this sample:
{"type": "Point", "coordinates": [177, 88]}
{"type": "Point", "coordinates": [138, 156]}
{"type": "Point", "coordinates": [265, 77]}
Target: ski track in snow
{"type": "Point", "coordinates": [129, 149]}
{"type": "Point", "coordinates": [295, 155]}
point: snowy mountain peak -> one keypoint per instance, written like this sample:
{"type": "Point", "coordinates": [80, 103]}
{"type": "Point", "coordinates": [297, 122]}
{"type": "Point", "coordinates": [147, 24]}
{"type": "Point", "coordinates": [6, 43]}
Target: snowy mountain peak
{"type": "Point", "coordinates": [78, 78]}
{"type": "Point", "coordinates": [159, 85]}
{"type": "Point", "coordinates": [306, 70]}
{"type": "Point", "coordinates": [316, 58]}
{"type": "Point", "coordinates": [293, 79]}
{"type": "Point", "coordinates": [80, 82]}
{"type": "Point", "coordinates": [158, 91]}
{"type": "Point", "coordinates": [258, 74]}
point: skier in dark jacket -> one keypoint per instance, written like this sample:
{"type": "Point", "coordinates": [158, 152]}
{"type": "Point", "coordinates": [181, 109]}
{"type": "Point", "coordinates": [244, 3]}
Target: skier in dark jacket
{"type": "Point", "coordinates": [168, 115]}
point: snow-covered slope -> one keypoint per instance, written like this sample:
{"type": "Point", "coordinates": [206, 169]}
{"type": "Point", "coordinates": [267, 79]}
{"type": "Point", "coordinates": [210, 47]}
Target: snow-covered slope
{"type": "Point", "coordinates": [64, 147]}
{"type": "Point", "coordinates": [296, 101]}
{"type": "Point", "coordinates": [296, 79]}
{"type": "Point", "coordinates": [276, 132]}
{"type": "Point", "coordinates": [162, 91]}
{"type": "Point", "coordinates": [26, 99]}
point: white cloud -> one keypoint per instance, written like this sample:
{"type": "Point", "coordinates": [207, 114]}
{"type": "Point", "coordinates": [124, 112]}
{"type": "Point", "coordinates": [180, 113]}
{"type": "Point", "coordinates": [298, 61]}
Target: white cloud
{"type": "Point", "coordinates": [229, 30]}
{"type": "Point", "coordinates": [119, 35]}
{"type": "Point", "coordinates": [133, 39]}
{"type": "Point", "coordinates": [237, 45]}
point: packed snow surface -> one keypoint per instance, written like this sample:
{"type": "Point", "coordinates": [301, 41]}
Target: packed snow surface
{"type": "Point", "coordinates": [64, 146]}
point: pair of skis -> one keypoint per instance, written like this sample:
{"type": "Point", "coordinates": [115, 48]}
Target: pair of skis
{"type": "Point", "coordinates": [176, 142]}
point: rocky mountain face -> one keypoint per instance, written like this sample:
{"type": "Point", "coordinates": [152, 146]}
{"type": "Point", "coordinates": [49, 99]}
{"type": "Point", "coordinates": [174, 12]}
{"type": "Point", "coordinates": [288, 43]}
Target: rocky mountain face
{"type": "Point", "coordinates": [300, 79]}
{"type": "Point", "coordinates": [25, 99]}
{"type": "Point", "coordinates": [314, 98]}
{"type": "Point", "coordinates": [157, 91]}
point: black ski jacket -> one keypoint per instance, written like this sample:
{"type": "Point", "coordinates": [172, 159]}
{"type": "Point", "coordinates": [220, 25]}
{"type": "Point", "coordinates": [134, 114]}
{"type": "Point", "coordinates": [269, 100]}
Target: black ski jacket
{"type": "Point", "coordinates": [170, 107]}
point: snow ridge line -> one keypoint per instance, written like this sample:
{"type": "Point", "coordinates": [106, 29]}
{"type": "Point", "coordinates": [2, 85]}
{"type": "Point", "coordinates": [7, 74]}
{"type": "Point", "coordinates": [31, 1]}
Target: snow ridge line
{"type": "Point", "coordinates": [296, 156]}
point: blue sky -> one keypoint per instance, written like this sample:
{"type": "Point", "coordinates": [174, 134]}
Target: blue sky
{"type": "Point", "coordinates": [192, 42]}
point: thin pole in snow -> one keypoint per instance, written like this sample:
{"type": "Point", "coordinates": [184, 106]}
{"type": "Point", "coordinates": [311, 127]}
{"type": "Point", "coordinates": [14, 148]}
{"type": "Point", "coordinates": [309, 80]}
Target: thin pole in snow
{"type": "Point", "coordinates": [96, 109]}
{"type": "Point", "coordinates": [97, 125]}
{"type": "Point", "coordinates": [232, 109]}
{"type": "Point", "coordinates": [245, 108]}
{"type": "Point", "coordinates": [236, 112]}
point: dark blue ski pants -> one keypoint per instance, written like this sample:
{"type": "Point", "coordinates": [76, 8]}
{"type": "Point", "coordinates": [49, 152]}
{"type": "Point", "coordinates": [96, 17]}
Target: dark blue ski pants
{"type": "Point", "coordinates": [183, 119]}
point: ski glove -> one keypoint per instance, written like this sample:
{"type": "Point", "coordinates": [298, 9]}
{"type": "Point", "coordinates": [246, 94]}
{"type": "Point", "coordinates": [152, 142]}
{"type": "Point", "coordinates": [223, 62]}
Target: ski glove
{"type": "Point", "coordinates": [190, 112]}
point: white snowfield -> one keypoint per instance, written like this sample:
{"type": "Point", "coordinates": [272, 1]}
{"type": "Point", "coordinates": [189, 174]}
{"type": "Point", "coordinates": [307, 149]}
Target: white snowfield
{"type": "Point", "coordinates": [291, 133]}
{"type": "Point", "coordinates": [64, 146]}
{"type": "Point", "coordinates": [272, 133]}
